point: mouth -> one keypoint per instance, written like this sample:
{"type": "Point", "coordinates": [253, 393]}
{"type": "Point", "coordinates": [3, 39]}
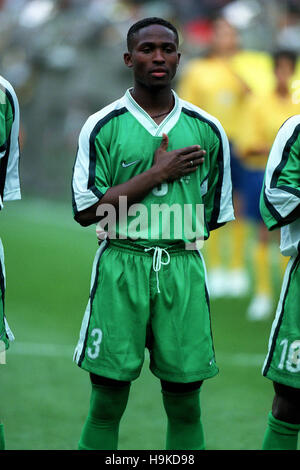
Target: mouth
{"type": "Point", "coordinates": [159, 73]}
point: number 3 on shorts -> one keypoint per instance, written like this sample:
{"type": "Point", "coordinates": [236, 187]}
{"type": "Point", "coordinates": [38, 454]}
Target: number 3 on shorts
{"type": "Point", "coordinates": [93, 351]}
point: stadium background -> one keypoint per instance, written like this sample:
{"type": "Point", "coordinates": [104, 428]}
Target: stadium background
{"type": "Point", "coordinates": [64, 59]}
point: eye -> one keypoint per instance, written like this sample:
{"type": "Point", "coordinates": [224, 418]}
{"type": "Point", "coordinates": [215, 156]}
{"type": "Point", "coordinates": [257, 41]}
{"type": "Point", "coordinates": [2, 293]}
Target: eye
{"type": "Point", "coordinates": [169, 49]}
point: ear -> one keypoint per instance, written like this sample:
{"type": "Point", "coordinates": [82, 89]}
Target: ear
{"type": "Point", "coordinates": [127, 59]}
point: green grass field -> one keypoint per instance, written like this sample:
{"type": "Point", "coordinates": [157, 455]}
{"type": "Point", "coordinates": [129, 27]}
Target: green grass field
{"type": "Point", "coordinates": [44, 396]}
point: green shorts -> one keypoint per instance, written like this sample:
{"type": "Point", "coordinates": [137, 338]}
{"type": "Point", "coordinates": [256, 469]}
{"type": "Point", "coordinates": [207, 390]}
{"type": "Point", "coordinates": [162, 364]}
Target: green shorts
{"type": "Point", "coordinates": [282, 363]}
{"type": "Point", "coordinates": [5, 333]}
{"type": "Point", "coordinates": [136, 302]}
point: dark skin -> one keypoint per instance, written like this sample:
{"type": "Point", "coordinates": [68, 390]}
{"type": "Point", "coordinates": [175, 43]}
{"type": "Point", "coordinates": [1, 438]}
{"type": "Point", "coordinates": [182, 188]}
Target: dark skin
{"type": "Point", "coordinates": [154, 59]}
{"type": "Point", "coordinates": [285, 405]}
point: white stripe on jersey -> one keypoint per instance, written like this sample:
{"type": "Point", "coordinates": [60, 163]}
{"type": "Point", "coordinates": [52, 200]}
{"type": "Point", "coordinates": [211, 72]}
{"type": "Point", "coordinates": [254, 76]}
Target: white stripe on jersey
{"type": "Point", "coordinates": [283, 201]}
{"type": "Point", "coordinates": [226, 208]}
{"type": "Point", "coordinates": [12, 182]}
{"type": "Point", "coordinates": [2, 261]}
{"type": "Point", "coordinates": [283, 292]}
{"type": "Point", "coordinates": [84, 197]}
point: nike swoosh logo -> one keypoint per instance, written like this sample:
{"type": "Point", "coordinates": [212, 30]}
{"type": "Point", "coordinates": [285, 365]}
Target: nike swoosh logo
{"type": "Point", "coordinates": [125, 165]}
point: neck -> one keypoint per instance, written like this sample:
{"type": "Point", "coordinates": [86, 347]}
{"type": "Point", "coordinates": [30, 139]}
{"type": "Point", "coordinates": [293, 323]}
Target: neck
{"type": "Point", "coordinates": [223, 54]}
{"type": "Point", "coordinates": [282, 90]}
{"type": "Point", "coordinates": [153, 101]}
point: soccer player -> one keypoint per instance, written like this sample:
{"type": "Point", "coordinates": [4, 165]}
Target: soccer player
{"type": "Point", "coordinates": [154, 150]}
{"type": "Point", "coordinates": [260, 120]}
{"type": "Point", "coordinates": [9, 191]}
{"type": "Point", "coordinates": [280, 208]}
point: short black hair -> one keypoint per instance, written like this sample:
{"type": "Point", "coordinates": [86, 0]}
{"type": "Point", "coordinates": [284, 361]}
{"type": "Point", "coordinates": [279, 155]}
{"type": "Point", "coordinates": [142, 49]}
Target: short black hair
{"type": "Point", "coordinates": [284, 54]}
{"type": "Point", "coordinates": [148, 22]}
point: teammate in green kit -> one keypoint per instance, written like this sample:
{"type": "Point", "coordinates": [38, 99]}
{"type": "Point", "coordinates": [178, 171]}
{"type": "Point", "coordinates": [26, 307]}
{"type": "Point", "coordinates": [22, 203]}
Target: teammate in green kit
{"type": "Point", "coordinates": [153, 150]}
{"type": "Point", "coordinates": [280, 208]}
{"type": "Point", "coordinates": [9, 191]}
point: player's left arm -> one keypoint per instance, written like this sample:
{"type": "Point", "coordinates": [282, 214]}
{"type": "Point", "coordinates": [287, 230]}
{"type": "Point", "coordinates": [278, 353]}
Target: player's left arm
{"type": "Point", "coordinates": [280, 196]}
{"type": "Point", "coordinates": [217, 188]}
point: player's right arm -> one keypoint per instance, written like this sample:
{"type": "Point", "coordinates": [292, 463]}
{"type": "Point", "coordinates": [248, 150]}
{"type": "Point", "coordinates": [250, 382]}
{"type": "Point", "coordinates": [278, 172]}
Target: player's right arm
{"type": "Point", "coordinates": [280, 196]}
{"type": "Point", "coordinates": [167, 166]}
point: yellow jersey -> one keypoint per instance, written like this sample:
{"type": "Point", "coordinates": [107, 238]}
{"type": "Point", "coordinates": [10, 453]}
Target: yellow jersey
{"type": "Point", "coordinates": [261, 118]}
{"type": "Point", "coordinates": [219, 85]}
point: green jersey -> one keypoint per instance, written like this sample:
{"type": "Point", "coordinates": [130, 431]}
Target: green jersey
{"type": "Point", "coordinates": [9, 143]}
{"type": "Point", "coordinates": [9, 179]}
{"type": "Point", "coordinates": [280, 196]}
{"type": "Point", "coordinates": [119, 142]}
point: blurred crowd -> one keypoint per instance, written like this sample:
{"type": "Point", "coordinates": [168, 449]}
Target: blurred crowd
{"type": "Point", "coordinates": [65, 61]}
{"type": "Point", "coordinates": [64, 58]}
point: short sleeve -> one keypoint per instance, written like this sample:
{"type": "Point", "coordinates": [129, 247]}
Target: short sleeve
{"type": "Point", "coordinates": [9, 144]}
{"type": "Point", "coordinates": [280, 196]}
{"type": "Point", "coordinates": [91, 172]}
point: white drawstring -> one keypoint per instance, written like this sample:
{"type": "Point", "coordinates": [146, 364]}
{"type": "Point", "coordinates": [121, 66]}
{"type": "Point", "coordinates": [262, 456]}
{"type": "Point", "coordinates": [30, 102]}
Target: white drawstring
{"type": "Point", "coordinates": [157, 261]}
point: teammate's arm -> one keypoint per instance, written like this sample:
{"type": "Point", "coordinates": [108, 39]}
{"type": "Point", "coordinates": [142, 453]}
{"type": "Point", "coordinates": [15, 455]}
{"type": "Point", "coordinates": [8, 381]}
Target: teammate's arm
{"type": "Point", "coordinates": [280, 196]}
{"type": "Point", "coordinates": [9, 147]}
{"type": "Point", "coordinates": [167, 166]}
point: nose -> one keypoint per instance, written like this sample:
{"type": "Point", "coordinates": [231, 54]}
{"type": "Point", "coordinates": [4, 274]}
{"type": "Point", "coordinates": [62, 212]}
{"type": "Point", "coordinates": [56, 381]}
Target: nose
{"type": "Point", "coordinates": [158, 56]}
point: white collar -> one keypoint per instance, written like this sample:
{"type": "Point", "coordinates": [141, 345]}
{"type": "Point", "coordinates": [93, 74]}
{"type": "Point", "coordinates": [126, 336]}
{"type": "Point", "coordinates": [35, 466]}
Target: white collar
{"type": "Point", "coordinates": [147, 122]}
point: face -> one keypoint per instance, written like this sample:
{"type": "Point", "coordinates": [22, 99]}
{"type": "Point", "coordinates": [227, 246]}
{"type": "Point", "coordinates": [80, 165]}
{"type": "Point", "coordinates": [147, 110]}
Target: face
{"type": "Point", "coordinates": [284, 70]}
{"type": "Point", "coordinates": [154, 57]}
{"type": "Point", "coordinates": [224, 36]}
